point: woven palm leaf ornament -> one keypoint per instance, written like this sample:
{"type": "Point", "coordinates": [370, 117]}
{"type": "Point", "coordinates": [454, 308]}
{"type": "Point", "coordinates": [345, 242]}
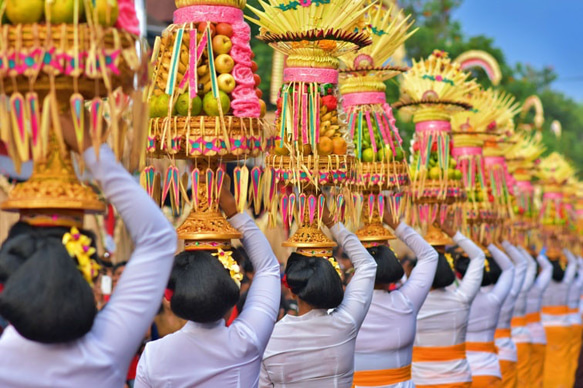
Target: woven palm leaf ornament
{"type": "Point", "coordinates": [205, 109]}
{"type": "Point", "coordinates": [312, 147]}
{"type": "Point", "coordinates": [433, 90]}
{"type": "Point", "coordinates": [381, 163]}
{"type": "Point", "coordinates": [80, 71]}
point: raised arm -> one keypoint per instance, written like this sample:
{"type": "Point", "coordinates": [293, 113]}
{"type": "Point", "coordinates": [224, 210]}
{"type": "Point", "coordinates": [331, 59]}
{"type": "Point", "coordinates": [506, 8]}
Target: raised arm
{"type": "Point", "coordinates": [544, 277]}
{"type": "Point", "coordinates": [530, 269]}
{"type": "Point", "coordinates": [504, 283]}
{"type": "Point", "coordinates": [419, 283]}
{"type": "Point", "coordinates": [358, 294]}
{"type": "Point", "coordinates": [470, 284]}
{"type": "Point", "coordinates": [262, 304]}
{"type": "Point", "coordinates": [520, 265]}
{"type": "Point", "coordinates": [122, 324]}
{"type": "Point", "coordinates": [571, 267]}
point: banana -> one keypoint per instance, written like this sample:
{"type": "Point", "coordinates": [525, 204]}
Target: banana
{"type": "Point", "coordinates": [207, 87]}
{"type": "Point", "coordinates": [323, 110]}
{"type": "Point", "coordinates": [205, 79]}
{"type": "Point", "coordinates": [330, 133]}
{"type": "Point", "coordinates": [326, 117]}
{"type": "Point", "coordinates": [335, 127]}
{"type": "Point", "coordinates": [202, 70]}
{"type": "Point", "coordinates": [184, 57]}
{"type": "Point", "coordinates": [325, 126]}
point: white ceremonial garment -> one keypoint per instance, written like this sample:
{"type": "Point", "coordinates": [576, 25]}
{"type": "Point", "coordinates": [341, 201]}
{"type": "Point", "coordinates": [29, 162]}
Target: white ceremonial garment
{"type": "Point", "coordinates": [101, 358]}
{"type": "Point", "coordinates": [484, 314]}
{"type": "Point", "coordinates": [574, 295]}
{"type": "Point", "coordinates": [521, 334]}
{"type": "Point", "coordinates": [214, 355]}
{"type": "Point", "coordinates": [534, 299]}
{"type": "Point", "coordinates": [443, 319]}
{"type": "Point", "coordinates": [556, 294]}
{"type": "Point", "coordinates": [507, 348]}
{"type": "Point", "coordinates": [316, 350]}
{"type": "Point", "coordinates": [385, 340]}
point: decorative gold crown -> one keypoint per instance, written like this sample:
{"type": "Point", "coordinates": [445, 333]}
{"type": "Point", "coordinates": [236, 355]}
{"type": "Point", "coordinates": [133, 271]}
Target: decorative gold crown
{"type": "Point", "coordinates": [522, 155]}
{"type": "Point", "coordinates": [481, 117]}
{"type": "Point", "coordinates": [554, 170]}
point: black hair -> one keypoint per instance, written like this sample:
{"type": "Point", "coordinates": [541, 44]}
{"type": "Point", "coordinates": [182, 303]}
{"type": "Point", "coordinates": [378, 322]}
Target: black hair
{"type": "Point", "coordinates": [242, 258]}
{"type": "Point", "coordinates": [119, 265]}
{"type": "Point", "coordinates": [45, 297]}
{"type": "Point", "coordinates": [314, 280]}
{"type": "Point", "coordinates": [389, 270]}
{"type": "Point", "coordinates": [558, 271]}
{"type": "Point", "coordinates": [462, 261]}
{"type": "Point", "coordinates": [444, 275]}
{"type": "Point", "coordinates": [203, 289]}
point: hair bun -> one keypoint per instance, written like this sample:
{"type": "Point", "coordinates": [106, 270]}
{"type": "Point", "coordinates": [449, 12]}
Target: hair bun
{"type": "Point", "coordinates": [14, 252]}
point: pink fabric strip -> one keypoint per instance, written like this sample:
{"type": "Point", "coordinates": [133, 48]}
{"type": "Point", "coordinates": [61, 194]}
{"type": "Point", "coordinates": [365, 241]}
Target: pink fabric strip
{"type": "Point", "coordinates": [466, 151]}
{"type": "Point", "coordinates": [553, 195]}
{"type": "Point", "coordinates": [525, 186]}
{"type": "Point", "coordinates": [205, 13]}
{"type": "Point", "coordinates": [363, 98]}
{"type": "Point", "coordinates": [309, 74]}
{"type": "Point", "coordinates": [494, 160]}
{"type": "Point", "coordinates": [433, 125]}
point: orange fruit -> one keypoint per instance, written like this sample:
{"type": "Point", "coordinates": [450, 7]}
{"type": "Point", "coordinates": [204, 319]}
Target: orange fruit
{"type": "Point", "coordinates": [280, 150]}
{"type": "Point", "coordinates": [339, 146]}
{"type": "Point", "coordinates": [325, 146]}
{"type": "Point", "coordinates": [307, 149]}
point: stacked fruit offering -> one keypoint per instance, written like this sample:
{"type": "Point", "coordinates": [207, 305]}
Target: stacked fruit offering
{"type": "Point", "coordinates": [312, 149]}
{"type": "Point", "coordinates": [433, 90]}
{"type": "Point", "coordinates": [553, 173]}
{"type": "Point", "coordinates": [205, 106]}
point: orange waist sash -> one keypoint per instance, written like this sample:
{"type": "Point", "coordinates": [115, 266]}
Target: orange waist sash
{"type": "Point", "coordinates": [533, 318]}
{"type": "Point", "coordinates": [573, 311]}
{"type": "Point", "coordinates": [439, 353]}
{"type": "Point", "coordinates": [486, 347]}
{"type": "Point", "coordinates": [375, 378]}
{"type": "Point", "coordinates": [502, 333]}
{"type": "Point", "coordinates": [518, 322]}
{"type": "Point", "coordinates": [555, 310]}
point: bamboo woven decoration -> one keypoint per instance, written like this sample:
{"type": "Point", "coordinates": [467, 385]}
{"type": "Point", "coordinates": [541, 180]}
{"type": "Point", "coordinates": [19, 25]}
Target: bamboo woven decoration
{"type": "Point", "coordinates": [433, 90]}
{"type": "Point", "coordinates": [381, 163]}
{"type": "Point", "coordinates": [205, 108]}
{"type": "Point", "coordinates": [312, 148]}
{"type": "Point", "coordinates": [83, 72]}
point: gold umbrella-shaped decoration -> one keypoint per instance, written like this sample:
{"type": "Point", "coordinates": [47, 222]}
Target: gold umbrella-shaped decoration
{"type": "Point", "coordinates": [312, 147]}
{"type": "Point", "coordinates": [204, 108]}
{"type": "Point", "coordinates": [432, 90]}
{"type": "Point", "coordinates": [84, 69]}
{"type": "Point", "coordinates": [378, 146]}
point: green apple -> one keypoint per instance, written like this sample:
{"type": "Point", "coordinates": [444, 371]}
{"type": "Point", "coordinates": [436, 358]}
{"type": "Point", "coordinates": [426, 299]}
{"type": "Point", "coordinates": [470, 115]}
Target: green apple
{"type": "Point", "coordinates": [25, 11]}
{"type": "Point", "coordinates": [182, 105]}
{"type": "Point", "coordinates": [480, 196]}
{"type": "Point", "coordinates": [107, 12]}
{"type": "Point", "coordinates": [210, 105]}
{"type": "Point", "coordinates": [160, 107]}
{"type": "Point", "coordinates": [451, 173]}
{"type": "Point", "coordinates": [452, 162]}
{"type": "Point", "coordinates": [152, 105]}
{"type": "Point", "coordinates": [368, 155]}
{"type": "Point", "coordinates": [457, 175]}
{"type": "Point", "coordinates": [434, 173]}
{"type": "Point", "coordinates": [399, 154]}
{"type": "Point", "coordinates": [63, 11]}
{"type": "Point", "coordinates": [385, 153]}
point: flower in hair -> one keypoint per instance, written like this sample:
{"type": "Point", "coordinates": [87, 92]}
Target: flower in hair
{"type": "Point", "coordinates": [335, 265]}
{"type": "Point", "coordinates": [449, 259]}
{"type": "Point", "coordinates": [226, 259]}
{"type": "Point", "coordinates": [487, 265]}
{"type": "Point", "coordinates": [79, 247]}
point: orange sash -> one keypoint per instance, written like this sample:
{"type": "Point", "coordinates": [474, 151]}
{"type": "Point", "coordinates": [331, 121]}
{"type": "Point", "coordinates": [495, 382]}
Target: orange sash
{"type": "Point", "coordinates": [523, 363]}
{"type": "Point", "coordinates": [377, 378]}
{"type": "Point", "coordinates": [486, 347]}
{"type": "Point", "coordinates": [508, 369]}
{"type": "Point", "coordinates": [502, 333]}
{"type": "Point", "coordinates": [486, 382]}
{"type": "Point", "coordinates": [556, 370]}
{"type": "Point", "coordinates": [574, 350]}
{"type": "Point", "coordinates": [537, 364]}
{"type": "Point", "coordinates": [439, 353]}
{"type": "Point", "coordinates": [448, 385]}
{"type": "Point", "coordinates": [533, 318]}
{"type": "Point", "coordinates": [555, 310]}
{"type": "Point", "coordinates": [518, 322]}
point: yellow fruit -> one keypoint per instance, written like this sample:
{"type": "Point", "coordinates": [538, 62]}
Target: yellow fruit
{"type": "Point", "coordinates": [280, 150]}
{"type": "Point", "coordinates": [325, 146]}
{"type": "Point", "coordinates": [307, 149]}
{"type": "Point", "coordinates": [339, 146]}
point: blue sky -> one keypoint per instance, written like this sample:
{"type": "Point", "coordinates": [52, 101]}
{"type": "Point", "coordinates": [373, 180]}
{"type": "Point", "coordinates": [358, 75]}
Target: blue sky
{"type": "Point", "coordinates": [537, 32]}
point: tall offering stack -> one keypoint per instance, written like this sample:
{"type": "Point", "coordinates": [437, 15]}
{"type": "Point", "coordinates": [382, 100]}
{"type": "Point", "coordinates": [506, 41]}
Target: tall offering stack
{"type": "Point", "coordinates": [312, 149]}
{"type": "Point", "coordinates": [77, 62]}
{"type": "Point", "coordinates": [522, 159]}
{"type": "Point", "coordinates": [553, 173]}
{"type": "Point", "coordinates": [204, 107]}
{"type": "Point", "coordinates": [381, 163]}
{"type": "Point", "coordinates": [433, 90]}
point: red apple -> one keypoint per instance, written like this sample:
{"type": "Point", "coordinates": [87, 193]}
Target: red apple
{"type": "Point", "coordinates": [254, 67]}
{"type": "Point", "coordinates": [225, 29]}
{"type": "Point", "coordinates": [252, 55]}
{"type": "Point", "coordinates": [224, 63]}
{"type": "Point", "coordinates": [279, 103]}
{"type": "Point", "coordinates": [330, 102]}
{"type": "Point", "coordinates": [202, 27]}
{"type": "Point", "coordinates": [221, 44]}
{"type": "Point", "coordinates": [257, 79]}
{"type": "Point", "coordinates": [258, 92]}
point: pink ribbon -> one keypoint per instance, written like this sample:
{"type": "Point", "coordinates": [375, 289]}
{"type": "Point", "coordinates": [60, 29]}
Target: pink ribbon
{"type": "Point", "coordinates": [553, 195]}
{"type": "Point", "coordinates": [433, 125]}
{"type": "Point", "coordinates": [491, 161]}
{"type": "Point", "coordinates": [205, 13]}
{"type": "Point", "coordinates": [524, 186]}
{"type": "Point", "coordinates": [466, 151]}
{"type": "Point", "coordinates": [363, 98]}
{"type": "Point", "coordinates": [310, 74]}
